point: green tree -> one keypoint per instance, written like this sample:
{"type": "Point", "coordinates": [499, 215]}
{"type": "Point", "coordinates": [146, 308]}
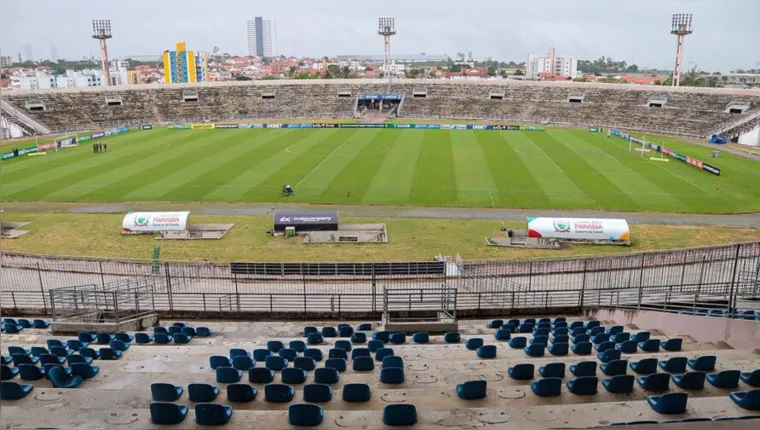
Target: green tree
{"type": "Point", "coordinates": [455, 68]}
{"type": "Point", "coordinates": [491, 71]}
{"type": "Point", "coordinates": [292, 70]}
{"type": "Point", "coordinates": [242, 78]}
{"type": "Point", "coordinates": [519, 72]}
{"type": "Point", "coordinates": [266, 61]}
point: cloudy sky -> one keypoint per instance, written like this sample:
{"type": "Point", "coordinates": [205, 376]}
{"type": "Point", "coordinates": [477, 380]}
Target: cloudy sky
{"type": "Point", "coordinates": [726, 36]}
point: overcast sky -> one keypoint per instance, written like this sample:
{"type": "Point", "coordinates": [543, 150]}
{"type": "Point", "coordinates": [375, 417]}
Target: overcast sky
{"type": "Point", "coordinates": [726, 36]}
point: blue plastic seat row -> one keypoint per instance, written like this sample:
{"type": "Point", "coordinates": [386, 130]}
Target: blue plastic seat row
{"type": "Point", "coordinates": [205, 413]}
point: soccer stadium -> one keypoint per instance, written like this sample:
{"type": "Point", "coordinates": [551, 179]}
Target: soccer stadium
{"type": "Point", "coordinates": [331, 247]}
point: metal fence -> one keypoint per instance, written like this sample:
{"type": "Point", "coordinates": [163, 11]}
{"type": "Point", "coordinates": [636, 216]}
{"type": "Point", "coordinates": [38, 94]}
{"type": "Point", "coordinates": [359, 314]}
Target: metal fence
{"type": "Point", "coordinates": [723, 277]}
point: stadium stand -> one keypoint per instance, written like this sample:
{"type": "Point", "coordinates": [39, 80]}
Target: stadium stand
{"type": "Point", "coordinates": [427, 385]}
{"type": "Point", "coordinates": [685, 111]}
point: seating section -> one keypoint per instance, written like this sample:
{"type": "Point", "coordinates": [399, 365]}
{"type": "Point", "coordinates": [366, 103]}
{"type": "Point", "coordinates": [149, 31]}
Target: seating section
{"type": "Point", "coordinates": [428, 377]}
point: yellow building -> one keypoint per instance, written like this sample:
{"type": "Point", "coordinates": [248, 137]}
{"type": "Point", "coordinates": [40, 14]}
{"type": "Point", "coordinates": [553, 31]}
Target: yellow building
{"type": "Point", "coordinates": [181, 66]}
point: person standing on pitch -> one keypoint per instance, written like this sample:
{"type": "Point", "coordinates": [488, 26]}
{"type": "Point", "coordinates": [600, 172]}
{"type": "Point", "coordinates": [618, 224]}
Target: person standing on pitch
{"type": "Point", "coordinates": [105, 147]}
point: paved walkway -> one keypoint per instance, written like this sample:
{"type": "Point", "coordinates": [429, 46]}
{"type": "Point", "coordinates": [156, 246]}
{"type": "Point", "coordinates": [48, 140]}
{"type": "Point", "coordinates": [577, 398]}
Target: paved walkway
{"type": "Point", "coordinates": [739, 220]}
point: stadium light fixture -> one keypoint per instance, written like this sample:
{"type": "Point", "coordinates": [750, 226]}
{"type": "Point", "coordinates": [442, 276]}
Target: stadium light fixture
{"type": "Point", "coordinates": [101, 30]}
{"type": "Point", "coordinates": [681, 27]}
{"type": "Point", "coordinates": [386, 27]}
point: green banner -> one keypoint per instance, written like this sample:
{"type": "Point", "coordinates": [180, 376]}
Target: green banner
{"type": "Point", "coordinates": [156, 258]}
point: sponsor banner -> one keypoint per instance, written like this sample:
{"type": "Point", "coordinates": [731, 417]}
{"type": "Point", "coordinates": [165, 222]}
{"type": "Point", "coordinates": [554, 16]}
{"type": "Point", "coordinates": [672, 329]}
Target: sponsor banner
{"type": "Point", "coordinates": [152, 222]}
{"type": "Point", "coordinates": [180, 126]}
{"type": "Point", "coordinates": [82, 139]}
{"type": "Point", "coordinates": [97, 135]}
{"type": "Point", "coordinates": [595, 129]}
{"type": "Point", "coordinates": [476, 127]}
{"type": "Point", "coordinates": [361, 125]}
{"type": "Point", "coordinates": [272, 125]}
{"type": "Point", "coordinates": [579, 228]}
{"type": "Point", "coordinates": [694, 162]}
{"type": "Point", "coordinates": [508, 127]}
{"type": "Point", "coordinates": [123, 129]}
{"type": "Point", "coordinates": [666, 151]}
{"type": "Point", "coordinates": [420, 126]}
{"type": "Point", "coordinates": [306, 220]}
{"type": "Point", "coordinates": [325, 125]}
{"type": "Point", "coordinates": [146, 127]}
{"type": "Point", "coordinates": [678, 156]}
{"type": "Point", "coordinates": [18, 153]}
{"type": "Point", "coordinates": [226, 125]}
{"type": "Point", "coordinates": [109, 132]}
{"type": "Point", "coordinates": [712, 169]}
{"type": "Point", "coordinates": [45, 146]}
{"type": "Point", "coordinates": [255, 126]}
{"type": "Point", "coordinates": [378, 97]}
{"type": "Point", "coordinates": [70, 142]}
{"type": "Point", "coordinates": [202, 126]}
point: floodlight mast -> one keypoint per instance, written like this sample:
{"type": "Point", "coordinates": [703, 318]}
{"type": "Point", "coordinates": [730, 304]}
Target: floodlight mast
{"type": "Point", "coordinates": [681, 27]}
{"type": "Point", "coordinates": [386, 27]}
{"type": "Point", "coordinates": [101, 30]}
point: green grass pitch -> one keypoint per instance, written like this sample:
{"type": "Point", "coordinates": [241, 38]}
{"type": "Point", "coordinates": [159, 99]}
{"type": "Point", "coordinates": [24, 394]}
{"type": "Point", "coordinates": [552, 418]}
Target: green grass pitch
{"type": "Point", "coordinates": [553, 169]}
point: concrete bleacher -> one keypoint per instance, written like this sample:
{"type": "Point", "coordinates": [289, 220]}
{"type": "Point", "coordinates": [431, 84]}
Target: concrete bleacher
{"type": "Point", "coordinates": [120, 396]}
{"type": "Point", "coordinates": [687, 111]}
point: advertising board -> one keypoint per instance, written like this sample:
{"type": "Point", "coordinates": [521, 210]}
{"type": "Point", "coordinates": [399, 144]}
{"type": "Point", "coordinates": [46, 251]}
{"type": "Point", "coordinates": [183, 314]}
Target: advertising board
{"type": "Point", "coordinates": [580, 229]}
{"type": "Point", "coordinates": [306, 220]}
{"type": "Point", "coordinates": [154, 222]}
{"type": "Point", "coordinates": [202, 126]}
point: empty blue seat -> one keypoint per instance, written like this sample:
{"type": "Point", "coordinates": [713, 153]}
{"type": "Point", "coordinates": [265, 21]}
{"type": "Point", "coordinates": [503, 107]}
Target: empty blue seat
{"type": "Point", "coordinates": [393, 361]}
{"type": "Point", "coordinates": [472, 390]}
{"type": "Point", "coordinates": [674, 365]}
{"type": "Point", "coordinates": [259, 354]}
{"type": "Point", "coordinates": [670, 403]}
{"type": "Point", "coordinates": [14, 391]}
{"type": "Point", "coordinates": [163, 392]}
{"type": "Point", "coordinates": [421, 337]}
{"type": "Point", "coordinates": [309, 329]}
{"type": "Point", "coordinates": [364, 327]}
{"type": "Point", "coordinates": [650, 345]}
{"type": "Point", "coordinates": [356, 393]}
{"type": "Point", "coordinates": [203, 332]}
{"type": "Point", "coordinates": [24, 359]}
{"type": "Point", "coordinates": [59, 351]}
{"type": "Point", "coordinates": [400, 415]}
{"type": "Point", "coordinates": [531, 321]}
{"type": "Point", "coordinates": [317, 393]}
{"type": "Point", "coordinates": [288, 354]}
{"type": "Point", "coordinates": [705, 363]}
{"type": "Point", "coordinates": [578, 331]}
{"type": "Point", "coordinates": [385, 336]}
{"type": "Point", "coordinates": [521, 372]}
{"type": "Point", "coordinates": [293, 376]}
{"type": "Point", "coordinates": [241, 393]}
{"type": "Point", "coordinates": [615, 329]}
{"type": "Point", "coordinates": [628, 347]}
{"type": "Point", "coordinates": [654, 382]}
{"type": "Point", "coordinates": [38, 350]}
{"type": "Point", "coordinates": [558, 349]}
{"type": "Point", "coordinates": [279, 393]}
{"type": "Point", "coordinates": [560, 338]}
{"type": "Point", "coordinates": [540, 339]}
{"type": "Point", "coordinates": [690, 380]}
{"type": "Point", "coordinates": [304, 363]}
{"type": "Point", "coordinates": [595, 331]}
{"type": "Point", "coordinates": [605, 346]}
{"type": "Point", "coordinates": [584, 368]}
{"type": "Point", "coordinates": [337, 353]}
{"type": "Point", "coordinates": [162, 338]}
{"type": "Point", "coordinates": [143, 338]}
{"type": "Point", "coordinates": [502, 334]}
{"type": "Point", "coordinates": [40, 324]}
{"type": "Point", "coordinates": [495, 323]}
{"type": "Point", "coordinates": [171, 331]}
{"type": "Point", "coordinates": [89, 352]}
{"type": "Point", "coordinates": [582, 348]}
{"type": "Point", "coordinates": [77, 359]}
{"type": "Point", "coordinates": [12, 328]}
{"type": "Point", "coordinates": [619, 384]}
{"type": "Point", "coordinates": [305, 415]}
{"type": "Point", "coordinates": [552, 370]}
{"type": "Point", "coordinates": [212, 414]}
{"type": "Point", "coordinates": [51, 359]}
{"type": "Point", "coordinates": [329, 332]}
{"type": "Point", "coordinates": [542, 333]}
{"type": "Point", "coordinates": [326, 375]}
{"type": "Point", "coordinates": [751, 378]}
{"type": "Point", "coordinates": [382, 353]}
{"type": "Point", "coordinates": [55, 342]}
{"type": "Point", "coordinates": [600, 338]}
{"type": "Point", "coordinates": [486, 351]}
{"type": "Point", "coordinates": [297, 345]}
{"type": "Point", "coordinates": [100, 338]}
{"type": "Point", "coordinates": [473, 343]}
{"type": "Point", "coordinates": [7, 373]}
{"type": "Point", "coordinates": [525, 328]}
{"type": "Point", "coordinates": [189, 331]}
{"type": "Point", "coordinates": [359, 338]}
{"type": "Point", "coordinates": [641, 336]}
{"type": "Point", "coordinates": [179, 324]}
{"type": "Point", "coordinates": [345, 330]}
{"type": "Point", "coordinates": [275, 363]}
{"type": "Point", "coordinates": [86, 337]}
{"type": "Point", "coordinates": [167, 413]}
{"type": "Point", "coordinates": [609, 355]}
{"type": "Point", "coordinates": [313, 353]}
{"type": "Point", "coordinates": [161, 330]}
{"type": "Point", "coordinates": [451, 337]}
{"type": "Point", "coordinates": [576, 324]}
{"type": "Point", "coordinates": [228, 375]}
{"type": "Point", "coordinates": [181, 338]}
{"type": "Point", "coordinates": [338, 364]}
{"type": "Point", "coordinates": [724, 379]}
{"type": "Point", "coordinates": [260, 375]}
{"type": "Point", "coordinates": [672, 344]}
{"type": "Point", "coordinates": [749, 400]}
{"type": "Point", "coordinates": [374, 345]}
{"type": "Point", "coordinates": [344, 345]}
{"type": "Point", "coordinates": [124, 337]}
{"type": "Point", "coordinates": [614, 367]}
{"type": "Point", "coordinates": [6, 359]}
{"type": "Point", "coordinates": [62, 379]}
{"type": "Point", "coordinates": [235, 352]}
{"type": "Point", "coordinates": [30, 372]}
{"type": "Point", "coordinates": [219, 361]}
{"type": "Point", "coordinates": [275, 345]}
{"type": "Point", "coordinates": [645, 366]}
{"type": "Point", "coordinates": [118, 345]}
{"type": "Point", "coordinates": [547, 387]}
{"type": "Point", "coordinates": [47, 367]}
{"type": "Point", "coordinates": [583, 386]}
{"type": "Point", "coordinates": [202, 392]}
{"type": "Point", "coordinates": [562, 331]}
{"type": "Point", "coordinates": [535, 350]}
{"type": "Point", "coordinates": [18, 350]}
{"type": "Point", "coordinates": [363, 364]}
{"type": "Point", "coordinates": [518, 342]}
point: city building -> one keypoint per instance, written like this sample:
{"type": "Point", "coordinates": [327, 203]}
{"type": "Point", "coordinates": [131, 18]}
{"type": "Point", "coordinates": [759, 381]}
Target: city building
{"type": "Point", "coordinates": [553, 64]}
{"type": "Point", "coordinates": [261, 34]}
{"type": "Point", "coordinates": [72, 79]}
{"type": "Point", "coordinates": [182, 66]}
{"type": "Point", "coordinates": [27, 48]}
{"type": "Point", "coordinates": [6, 61]}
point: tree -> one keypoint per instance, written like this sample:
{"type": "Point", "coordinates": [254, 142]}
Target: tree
{"type": "Point", "coordinates": [292, 71]}
{"type": "Point", "coordinates": [456, 68]}
{"type": "Point", "coordinates": [492, 71]}
{"type": "Point", "coordinates": [3, 76]}
{"type": "Point", "coordinates": [266, 61]}
{"type": "Point", "coordinates": [581, 79]}
{"type": "Point", "coordinates": [345, 72]}
{"type": "Point", "coordinates": [242, 78]}
{"type": "Point", "coordinates": [519, 72]}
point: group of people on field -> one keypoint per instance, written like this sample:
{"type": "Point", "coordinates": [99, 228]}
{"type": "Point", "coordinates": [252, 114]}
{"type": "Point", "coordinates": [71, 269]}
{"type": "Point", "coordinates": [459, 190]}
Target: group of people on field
{"type": "Point", "coordinates": [99, 147]}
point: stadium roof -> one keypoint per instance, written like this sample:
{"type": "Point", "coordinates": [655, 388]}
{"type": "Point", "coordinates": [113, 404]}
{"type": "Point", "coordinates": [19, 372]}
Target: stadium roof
{"type": "Point", "coordinates": [380, 58]}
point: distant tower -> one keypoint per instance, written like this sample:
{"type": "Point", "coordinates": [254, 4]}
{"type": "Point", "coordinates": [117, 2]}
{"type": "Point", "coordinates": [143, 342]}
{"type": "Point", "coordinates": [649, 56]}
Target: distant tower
{"type": "Point", "coordinates": [681, 27]}
{"type": "Point", "coordinates": [101, 30]}
{"type": "Point", "coordinates": [386, 27]}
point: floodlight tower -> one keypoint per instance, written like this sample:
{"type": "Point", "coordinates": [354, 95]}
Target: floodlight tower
{"type": "Point", "coordinates": [681, 27]}
{"type": "Point", "coordinates": [101, 30]}
{"type": "Point", "coordinates": [386, 27]}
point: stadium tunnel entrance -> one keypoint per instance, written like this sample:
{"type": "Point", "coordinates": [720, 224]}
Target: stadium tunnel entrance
{"type": "Point", "coordinates": [379, 102]}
